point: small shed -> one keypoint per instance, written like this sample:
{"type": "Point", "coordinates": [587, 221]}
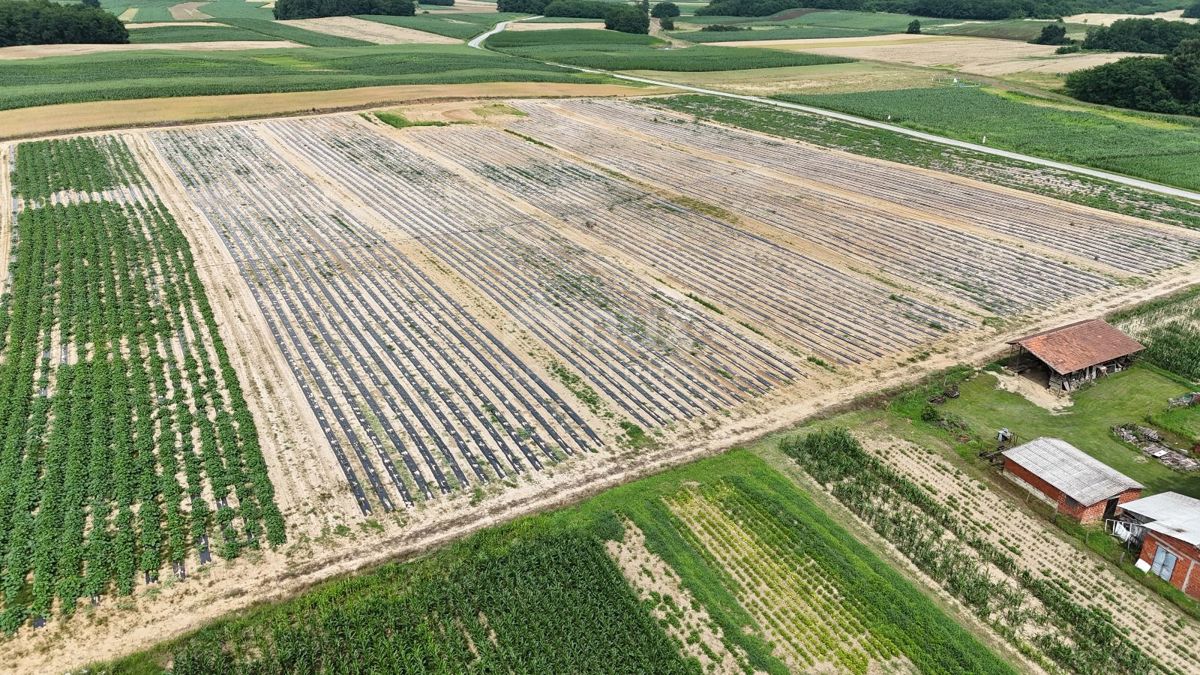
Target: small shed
{"type": "Point", "coordinates": [1077, 485]}
{"type": "Point", "coordinates": [1167, 525]}
{"type": "Point", "coordinates": [1077, 353]}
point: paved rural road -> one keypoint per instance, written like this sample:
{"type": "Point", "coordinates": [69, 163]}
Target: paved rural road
{"type": "Point", "coordinates": [479, 41]}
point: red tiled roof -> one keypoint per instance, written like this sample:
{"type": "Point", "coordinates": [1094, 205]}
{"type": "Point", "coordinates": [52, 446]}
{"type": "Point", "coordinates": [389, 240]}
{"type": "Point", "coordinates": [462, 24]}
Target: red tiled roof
{"type": "Point", "coordinates": [1079, 345]}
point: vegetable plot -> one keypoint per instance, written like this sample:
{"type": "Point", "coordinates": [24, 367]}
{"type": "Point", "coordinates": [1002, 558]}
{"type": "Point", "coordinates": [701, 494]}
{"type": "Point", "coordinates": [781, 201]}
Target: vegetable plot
{"type": "Point", "coordinates": [127, 442]}
{"type": "Point", "coordinates": [415, 396]}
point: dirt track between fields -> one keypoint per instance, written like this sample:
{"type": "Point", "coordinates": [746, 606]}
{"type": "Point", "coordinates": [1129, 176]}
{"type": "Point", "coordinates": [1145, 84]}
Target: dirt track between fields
{"type": "Point", "coordinates": [71, 118]}
{"type": "Point", "coordinates": [370, 31]}
{"type": "Point", "coordinates": [42, 51]}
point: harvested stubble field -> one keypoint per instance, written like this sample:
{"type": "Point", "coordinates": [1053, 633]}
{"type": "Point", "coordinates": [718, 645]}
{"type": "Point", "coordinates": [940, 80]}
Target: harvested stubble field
{"type": "Point", "coordinates": [437, 327]}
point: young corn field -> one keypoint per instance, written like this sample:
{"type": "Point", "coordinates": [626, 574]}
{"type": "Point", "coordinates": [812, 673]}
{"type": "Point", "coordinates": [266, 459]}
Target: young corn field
{"type": "Point", "coordinates": [128, 449]}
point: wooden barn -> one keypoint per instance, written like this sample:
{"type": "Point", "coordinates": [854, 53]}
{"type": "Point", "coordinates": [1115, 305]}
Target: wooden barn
{"type": "Point", "coordinates": [1078, 486]}
{"type": "Point", "coordinates": [1076, 353]}
{"type": "Point", "coordinates": [1167, 526]}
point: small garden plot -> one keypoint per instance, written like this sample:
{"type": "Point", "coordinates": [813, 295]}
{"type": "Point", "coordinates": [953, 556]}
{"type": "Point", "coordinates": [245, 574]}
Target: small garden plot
{"type": "Point", "coordinates": [1134, 248]}
{"type": "Point", "coordinates": [1048, 599]}
{"type": "Point", "coordinates": [828, 314]}
{"type": "Point", "coordinates": [926, 251]}
{"type": "Point", "coordinates": [128, 442]}
{"type": "Point", "coordinates": [658, 357]}
{"type": "Point", "coordinates": [412, 392]}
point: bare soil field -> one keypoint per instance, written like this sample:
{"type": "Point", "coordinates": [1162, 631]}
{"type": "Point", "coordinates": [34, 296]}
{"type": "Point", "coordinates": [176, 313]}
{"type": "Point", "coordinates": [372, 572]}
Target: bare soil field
{"type": "Point", "coordinates": [979, 56]}
{"type": "Point", "coordinates": [837, 78]}
{"type": "Point", "coordinates": [40, 51]}
{"type": "Point", "coordinates": [371, 31]}
{"type": "Point", "coordinates": [1097, 19]}
{"type": "Point", "coordinates": [438, 328]}
{"type": "Point", "coordinates": [526, 26]}
{"type": "Point", "coordinates": [75, 117]}
{"type": "Point", "coordinates": [188, 11]}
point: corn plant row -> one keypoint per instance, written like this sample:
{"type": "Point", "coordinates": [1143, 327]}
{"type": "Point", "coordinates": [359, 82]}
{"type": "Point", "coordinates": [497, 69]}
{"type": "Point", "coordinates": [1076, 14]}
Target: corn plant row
{"type": "Point", "coordinates": [996, 276]}
{"type": "Point", "coordinates": [813, 306]}
{"type": "Point", "coordinates": [408, 387]}
{"type": "Point", "coordinates": [659, 358]}
{"type": "Point", "coordinates": [112, 448]}
{"type": "Point", "coordinates": [1114, 241]}
{"type": "Point", "coordinates": [1033, 611]}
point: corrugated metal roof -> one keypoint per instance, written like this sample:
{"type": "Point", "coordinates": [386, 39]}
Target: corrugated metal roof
{"type": "Point", "coordinates": [1066, 467]}
{"type": "Point", "coordinates": [1170, 513]}
{"type": "Point", "coordinates": [1076, 346]}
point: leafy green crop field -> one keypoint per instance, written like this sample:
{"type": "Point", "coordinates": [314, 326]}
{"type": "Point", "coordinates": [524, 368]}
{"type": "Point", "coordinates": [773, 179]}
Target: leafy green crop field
{"type": "Point", "coordinates": [149, 11]}
{"type": "Point", "coordinates": [1162, 149]}
{"type": "Point", "coordinates": [463, 25]}
{"type": "Point", "coordinates": [544, 594]}
{"type": "Point", "coordinates": [166, 34]}
{"type": "Point", "coordinates": [609, 50]}
{"type": "Point", "coordinates": [766, 33]}
{"type": "Point", "coordinates": [103, 77]}
{"type": "Point", "coordinates": [273, 29]}
{"type": "Point", "coordinates": [904, 149]}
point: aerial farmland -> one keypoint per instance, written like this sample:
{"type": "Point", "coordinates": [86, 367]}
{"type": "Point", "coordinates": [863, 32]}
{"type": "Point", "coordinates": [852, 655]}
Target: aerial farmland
{"type": "Point", "coordinates": [380, 335]}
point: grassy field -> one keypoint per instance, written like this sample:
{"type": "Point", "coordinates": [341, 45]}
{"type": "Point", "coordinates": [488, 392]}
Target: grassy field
{"type": "Point", "coordinates": [100, 77]}
{"type": "Point", "coordinates": [1129, 397]}
{"type": "Point", "coordinates": [464, 25]}
{"type": "Point", "coordinates": [545, 594]}
{"type": "Point", "coordinates": [766, 33]}
{"type": "Point", "coordinates": [834, 24]}
{"type": "Point", "coordinates": [1158, 148]}
{"type": "Point", "coordinates": [166, 34]}
{"type": "Point", "coordinates": [160, 10]}
{"type": "Point", "coordinates": [619, 51]}
{"type": "Point", "coordinates": [899, 148]}
{"type": "Point", "coordinates": [293, 33]}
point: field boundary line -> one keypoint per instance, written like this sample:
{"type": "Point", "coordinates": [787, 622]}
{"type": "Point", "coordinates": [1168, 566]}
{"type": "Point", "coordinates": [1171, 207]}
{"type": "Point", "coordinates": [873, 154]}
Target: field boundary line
{"type": "Point", "coordinates": [1159, 188]}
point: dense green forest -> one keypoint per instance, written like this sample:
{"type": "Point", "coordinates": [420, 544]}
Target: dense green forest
{"type": "Point", "coordinates": [1146, 36]}
{"type": "Point", "coordinates": [40, 22]}
{"type": "Point", "coordinates": [1166, 85]}
{"type": "Point", "coordinates": [308, 9]}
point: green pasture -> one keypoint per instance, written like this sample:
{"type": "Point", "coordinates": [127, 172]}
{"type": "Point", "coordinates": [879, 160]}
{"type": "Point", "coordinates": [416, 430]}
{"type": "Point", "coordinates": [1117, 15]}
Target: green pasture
{"type": "Point", "coordinates": [1155, 147]}
{"type": "Point", "coordinates": [542, 595]}
{"type": "Point", "coordinates": [462, 25]}
{"type": "Point", "coordinates": [609, 50]}
{"type": "Point", "coordinates": [150, 74]}
{"type": "Point", "coordinates": [170, 34]}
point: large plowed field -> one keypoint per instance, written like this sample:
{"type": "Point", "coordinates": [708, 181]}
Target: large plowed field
{"type": "Point", "coordinates": [437, 326]}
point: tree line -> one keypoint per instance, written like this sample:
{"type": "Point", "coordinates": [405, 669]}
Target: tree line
{"type": "Point", "coordinates": [1164, 85]}
{"type": "Point", "coordinates": [619, 16]}
{"type": "Point", "coordinates": [1146, 36]}
{"type": "Point", "coordinates": [949, 9]}
{"type": "Point", "coordinates": [311, 9]}
{"type": "Point", "coordinates": [41, 22]}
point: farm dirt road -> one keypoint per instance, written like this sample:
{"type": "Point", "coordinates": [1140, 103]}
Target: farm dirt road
{"type": "Point", "coordinates": [40, 51]}
{"type": "Point", "coordinates": [71, 118]}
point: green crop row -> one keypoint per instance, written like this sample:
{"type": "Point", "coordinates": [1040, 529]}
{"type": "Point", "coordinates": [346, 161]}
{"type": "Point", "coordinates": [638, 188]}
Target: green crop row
{"type": "Point", "coordinates": [151, 74]}
{"type": "Point", "coordinates": [462, 25]}
{"type": "Point", "coordinates": [102, 393]}
{"type": "Point", "coordinates": [1075, 638]}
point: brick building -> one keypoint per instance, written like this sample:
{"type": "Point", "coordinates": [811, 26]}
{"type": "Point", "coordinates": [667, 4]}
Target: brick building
{"type": "Point", "coordinates": [1076, 353]}
{"type": "Point", "coordinates": [1168, 527]}
{"type": "Point", "coordinates": [1064, 476]}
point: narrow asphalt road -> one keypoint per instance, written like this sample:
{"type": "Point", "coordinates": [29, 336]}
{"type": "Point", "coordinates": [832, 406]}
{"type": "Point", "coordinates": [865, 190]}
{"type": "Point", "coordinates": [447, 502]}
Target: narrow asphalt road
{"type": "Point", "coordinates": [479, 43]}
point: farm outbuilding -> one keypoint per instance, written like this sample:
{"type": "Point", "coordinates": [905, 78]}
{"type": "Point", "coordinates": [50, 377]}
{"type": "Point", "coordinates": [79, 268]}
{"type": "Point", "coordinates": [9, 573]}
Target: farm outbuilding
{"type": "Point", "coordinates": [1078, 486]}
{"type": "Point", "coordinates": [1076, 353]}
{"type": "Point", "coordinates": [1167, 526]}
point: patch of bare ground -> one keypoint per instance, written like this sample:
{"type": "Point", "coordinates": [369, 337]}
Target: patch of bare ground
{"type": "Point", "coordinates": [370, 31]}
{"type": "Point", "coordinates": [1100, 19]}
{"type": "Point", "coordinates": [189, 11]}
{"type": "Point", "coordinates": [1158, 628]}
{"type": "Point", "coordinates": [1034, 392]}
{"type": "Point", "coordinates": [40, 51]}
{"type": "Point", "coordinates": [674, 606]}
{"type": "Point", "coordinates": [72, 118]}
{"type": "Point", "coordinates": [978, 56]}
